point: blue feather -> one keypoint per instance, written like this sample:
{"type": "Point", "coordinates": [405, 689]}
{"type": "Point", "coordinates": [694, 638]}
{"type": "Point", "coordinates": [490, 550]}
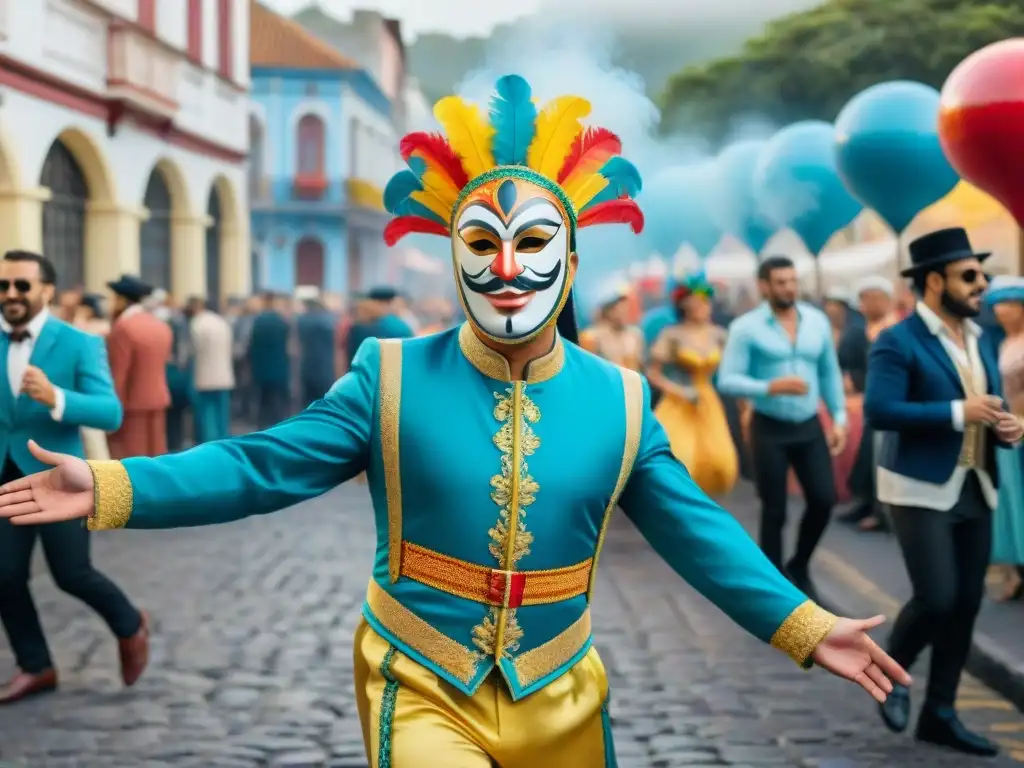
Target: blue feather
{"type": "Point", "coordinates": [513, 117]}
{"type": "Point", "coordinates": [623, 181]}
{"type": "Point", "coordinates": [410, 207]}
{"type": "Point", "coordinates": [417, 165]}
{"type": "Point", "coordinates": [399, 189]}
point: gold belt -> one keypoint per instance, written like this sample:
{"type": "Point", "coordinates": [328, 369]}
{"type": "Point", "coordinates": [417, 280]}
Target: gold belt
{"type": "Point", "coordinates": [509, 589]}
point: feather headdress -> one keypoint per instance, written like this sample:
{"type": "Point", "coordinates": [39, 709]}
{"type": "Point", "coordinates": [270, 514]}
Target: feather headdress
{"type": "Point", "coordinates": [548, 146]}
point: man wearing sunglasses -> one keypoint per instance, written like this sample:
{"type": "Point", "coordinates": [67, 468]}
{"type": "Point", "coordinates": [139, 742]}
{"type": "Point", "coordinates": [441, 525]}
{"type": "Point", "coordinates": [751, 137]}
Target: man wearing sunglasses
{"type": "Point", "coordinates": [55, 381]}
{"type": "Point", "coordinates": [935, 392]}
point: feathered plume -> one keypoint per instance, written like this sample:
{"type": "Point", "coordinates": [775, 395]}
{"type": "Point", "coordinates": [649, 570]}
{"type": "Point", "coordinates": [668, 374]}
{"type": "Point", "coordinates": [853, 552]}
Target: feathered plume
{"type": "Point", "coordinates": [436, 192]}
{"type": "Point", "coordinates": [469, 134]}
{"type": "Point", "coordinates": [558, 125]}
{"type": "Point", "coordinates": [513, 115]}
{"type": "Point", "coordinates": [614, 212]}
{"type": "Point", "coordinates": [589, 152]}
{"type": "Point", "coordinates": [438, 153]}
{"type": "Point", "coordinates": [404, 196]}
{"type": "Point", "coordinates": [398, 228]}
{"type": "Point", "coordinates": [617, 178]}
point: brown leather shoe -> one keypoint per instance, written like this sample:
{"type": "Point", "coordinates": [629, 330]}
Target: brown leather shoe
{"type": "Point", "coordinates": [134, 652]}
{"type": "Point", "coordinates": [23, 685]}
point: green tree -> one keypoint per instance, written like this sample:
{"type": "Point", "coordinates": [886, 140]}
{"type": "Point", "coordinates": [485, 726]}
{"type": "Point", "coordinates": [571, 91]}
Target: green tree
{"type": "Point", "coordinates": [808, 65]}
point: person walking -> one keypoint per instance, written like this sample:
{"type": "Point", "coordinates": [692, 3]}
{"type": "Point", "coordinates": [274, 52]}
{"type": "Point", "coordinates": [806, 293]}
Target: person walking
{"type": "Point", "coordinates": [315, 328]}
{"type": "Point", "coordinates": [270, 363]}
{"type": "Point", "coordinates": [56, 382]}
{"type": "Point", "coordinates": [936, 392]}
{"type": "Point", "coordinates": [782, 358]}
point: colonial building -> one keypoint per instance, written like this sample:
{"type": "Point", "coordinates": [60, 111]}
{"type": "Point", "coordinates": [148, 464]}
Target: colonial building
{"type": "Point", "coordinates": [123, 138]}
{"type": "Point", "coordinates": [323, 145]}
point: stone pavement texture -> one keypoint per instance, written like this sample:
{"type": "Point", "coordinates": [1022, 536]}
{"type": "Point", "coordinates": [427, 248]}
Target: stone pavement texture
{"type": "Point", "coordinates": [252, 662]}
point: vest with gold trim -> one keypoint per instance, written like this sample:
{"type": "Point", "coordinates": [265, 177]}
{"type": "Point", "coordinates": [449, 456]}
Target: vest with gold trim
{"type": "Point", "coordinates": [491, 498]}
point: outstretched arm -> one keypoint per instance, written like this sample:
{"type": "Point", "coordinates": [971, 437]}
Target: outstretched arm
{"type": "Point", "coordinates": [254, 474]}
{"type": "Point", "coordinates": [707, 547]}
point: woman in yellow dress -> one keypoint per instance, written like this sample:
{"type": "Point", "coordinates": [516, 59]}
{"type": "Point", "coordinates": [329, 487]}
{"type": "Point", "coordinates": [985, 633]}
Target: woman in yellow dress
{"type": "Point", "coordinates": [682, 364]}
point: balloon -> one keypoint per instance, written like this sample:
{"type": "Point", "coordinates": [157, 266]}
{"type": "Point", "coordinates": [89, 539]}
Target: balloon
{"type": "Point", "coordinates": [797, 184]}
{"type": "Point", "coordinates": [981, 122]}
{"type": "Point", "coordinates": [888, 150]}
{"type": "Point", "coordinates": [676, 211]}
{"type": "Point", "coordinates": [732, 196]}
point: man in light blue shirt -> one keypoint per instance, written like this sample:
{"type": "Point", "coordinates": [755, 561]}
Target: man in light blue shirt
{"type": "Point", "coordinates": [781, 356]}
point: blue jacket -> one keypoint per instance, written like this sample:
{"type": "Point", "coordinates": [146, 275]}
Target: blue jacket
{"type": "Point", "coordinates": [911, 385]}
{"type": "Point", "coordinates": [268, 349]}
{"type": "Point", "coordinates": [316, 348]}
{"type": "Point", "coordinates": [492, 481]}
{"type": "Point", "coordinates": [75, 362]}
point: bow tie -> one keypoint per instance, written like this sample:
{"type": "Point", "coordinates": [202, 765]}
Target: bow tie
{"type": "Point", "coordinates": [19, 335]}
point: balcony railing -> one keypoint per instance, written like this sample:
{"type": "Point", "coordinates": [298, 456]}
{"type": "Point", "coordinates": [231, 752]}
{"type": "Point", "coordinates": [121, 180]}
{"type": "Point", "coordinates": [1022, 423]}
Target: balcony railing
{"type": "Point", "coordinates": [141, 71]}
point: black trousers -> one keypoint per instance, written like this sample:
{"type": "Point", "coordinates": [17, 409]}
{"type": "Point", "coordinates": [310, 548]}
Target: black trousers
{"type": "Point", "coordinates": [946, 555]}
{"type": "Point", "coordinates": [777, 446]}
{"type": "Point", "coordinates": [66, 546]}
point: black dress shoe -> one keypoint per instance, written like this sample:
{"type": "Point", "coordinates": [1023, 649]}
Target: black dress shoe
{"type": "Point", "coordinates": [943, 728]}
{"type": "Point", "coordinates": [895, 709]}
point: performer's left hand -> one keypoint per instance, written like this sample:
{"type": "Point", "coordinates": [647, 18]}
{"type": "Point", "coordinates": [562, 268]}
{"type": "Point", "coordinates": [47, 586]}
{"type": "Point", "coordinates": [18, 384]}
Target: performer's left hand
{"type": "Point", "coordinates": [38, 387]}
{"type": "Point", "coordinates": [850, 653]}
{"type": "Point", "coordinates": [837, 440]}
{"type": "Point", "coordinates": [1009, 428]}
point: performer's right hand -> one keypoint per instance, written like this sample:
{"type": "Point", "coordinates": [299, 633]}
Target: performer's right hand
{"type": "Point", "coordinates": [788, 385]}
{"type": "Point", "coordinates": [983, 409]}
{"type": "Point", "coordinates": [62, 493]}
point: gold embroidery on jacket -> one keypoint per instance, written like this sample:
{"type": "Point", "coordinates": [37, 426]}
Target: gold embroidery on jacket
{"type": "Point", "coordinates": [514, 489]}
{"type": "Point", "coordinates": [113, 496]}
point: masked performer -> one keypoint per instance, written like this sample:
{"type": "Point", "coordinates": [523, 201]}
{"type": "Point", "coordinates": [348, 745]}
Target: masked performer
{"type": "Point", "coordinates": [612, 337]}
{"type": "Point", "coordinates": [683, 361]}
{"type": "Point", "coordinates": [475, 646]}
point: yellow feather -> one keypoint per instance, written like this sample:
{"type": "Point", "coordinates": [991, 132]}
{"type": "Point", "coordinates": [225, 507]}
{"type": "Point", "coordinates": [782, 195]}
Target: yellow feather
{"type": "Point", "coordinates": [440, 185]}
{"type": "Point", "coordinates": [434, 203]}
{"type": "Point", "coordinates": [585, 169]}
{"type": "Point", "coordinates": [468, 132]}
{"type": "Point", "coordinates": [558, 125]}
{"type": "Point", "coordinates": [586, 189]}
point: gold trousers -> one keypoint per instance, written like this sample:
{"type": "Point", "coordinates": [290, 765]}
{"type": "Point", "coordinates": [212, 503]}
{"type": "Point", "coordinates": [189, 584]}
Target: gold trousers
{"type": "Point", "coordinates": [413, 719]}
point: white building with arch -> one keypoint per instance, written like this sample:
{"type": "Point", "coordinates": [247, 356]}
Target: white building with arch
{"type": "Point", "coordinates": [123, 140]}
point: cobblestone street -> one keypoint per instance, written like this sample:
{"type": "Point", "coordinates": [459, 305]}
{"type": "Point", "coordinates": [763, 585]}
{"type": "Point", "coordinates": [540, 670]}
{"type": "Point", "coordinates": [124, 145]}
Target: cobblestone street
{"type": "Point", "coordinates": [252, 663]}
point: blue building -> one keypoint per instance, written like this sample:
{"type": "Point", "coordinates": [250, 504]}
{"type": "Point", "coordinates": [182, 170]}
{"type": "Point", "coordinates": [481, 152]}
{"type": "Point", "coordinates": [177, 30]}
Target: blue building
{"type": "Point", "coordinates": [322, 146]}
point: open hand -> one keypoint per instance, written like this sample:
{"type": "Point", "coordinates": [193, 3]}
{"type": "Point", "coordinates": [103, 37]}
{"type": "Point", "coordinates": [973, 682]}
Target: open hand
{"type": "Point", "coordinates": [850, 653]}
{"type": "Point", "coordinates": [62, 493]}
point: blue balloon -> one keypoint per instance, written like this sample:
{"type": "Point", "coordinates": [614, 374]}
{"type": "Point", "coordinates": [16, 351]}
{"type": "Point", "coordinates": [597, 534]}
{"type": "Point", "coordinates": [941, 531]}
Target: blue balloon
{"type": "Point", "coordinates": [732, 196]}
{"type": "Point", "coordinates": [888, 151]}
{"type": "Point", "coordinates": [676, 210]}
{"type": "Point", "coordinates": [797, 184]}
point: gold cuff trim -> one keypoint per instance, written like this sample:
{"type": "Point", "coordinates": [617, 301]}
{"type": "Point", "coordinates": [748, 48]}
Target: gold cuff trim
{"type": "Point", "coordinates": [541, 661]}
{"type": "Point", "coordinates": [390, 411]}
{"type": "Point", "coordinates": [633, 389]}
{"type": "Point", "coordinates": [494, 366]}
{"type": "Point", "coordinates": [454, 658]}
{"type": "Point", "coordinates": [802, 630]}
{"type": "Point", "coordinates": [112, 496]}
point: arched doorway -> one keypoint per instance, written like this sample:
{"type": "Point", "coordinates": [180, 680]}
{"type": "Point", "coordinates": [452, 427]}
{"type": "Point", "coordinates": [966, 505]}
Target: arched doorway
{"type": "Point", "coordinates": [213, 240]}
{"type": "Point", "coordinates": [64, 215]}
{"type": "Point", "coordinates": [155, 233]}
{"type": "Point", "coordinates": [309, 262]}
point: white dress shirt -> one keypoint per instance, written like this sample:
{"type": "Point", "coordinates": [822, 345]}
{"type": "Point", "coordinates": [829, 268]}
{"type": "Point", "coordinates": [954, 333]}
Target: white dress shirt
{"type": "Point", "coordinates": [908, 492]}
{"type": "Point", "coordinates": [19, 355]}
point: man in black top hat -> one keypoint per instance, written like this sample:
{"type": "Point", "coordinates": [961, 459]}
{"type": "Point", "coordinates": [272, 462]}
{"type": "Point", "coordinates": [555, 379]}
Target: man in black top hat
{"type": "Point", "coordinates": [936, 393]}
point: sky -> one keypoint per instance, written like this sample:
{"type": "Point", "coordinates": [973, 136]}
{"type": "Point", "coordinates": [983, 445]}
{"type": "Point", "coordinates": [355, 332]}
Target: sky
{"type": "Point", "coordinates": [464, 18]}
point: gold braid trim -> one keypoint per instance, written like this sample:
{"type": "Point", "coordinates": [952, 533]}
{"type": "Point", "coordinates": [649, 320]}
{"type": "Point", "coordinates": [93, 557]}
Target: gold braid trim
{"type": "Point", "coordinates": [801, 632]}
{"type": "Point", "coordinates": [112, 496]}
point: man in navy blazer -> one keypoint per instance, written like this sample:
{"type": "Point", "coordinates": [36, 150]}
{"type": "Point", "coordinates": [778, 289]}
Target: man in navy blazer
{"type": "Point", "coordinates": [54, 381]}
{"type": "Point", "coordinates": [935, 391]}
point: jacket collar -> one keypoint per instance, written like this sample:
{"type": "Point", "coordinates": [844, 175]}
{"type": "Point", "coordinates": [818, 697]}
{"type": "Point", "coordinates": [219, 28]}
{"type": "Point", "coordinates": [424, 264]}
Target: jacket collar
{"type": "Point", "coordinates": [494, 365]}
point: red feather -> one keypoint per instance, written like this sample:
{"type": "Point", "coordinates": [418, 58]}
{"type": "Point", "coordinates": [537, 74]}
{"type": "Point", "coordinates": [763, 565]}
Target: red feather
{"type": "Point", "coordinates": [436, 149]}
{"type": "Point", "coordinates": [401, 226]}
{"type": "Point", "coordinates": [593, 141]}
{"type": "Point", "coordinates": [621, 211]}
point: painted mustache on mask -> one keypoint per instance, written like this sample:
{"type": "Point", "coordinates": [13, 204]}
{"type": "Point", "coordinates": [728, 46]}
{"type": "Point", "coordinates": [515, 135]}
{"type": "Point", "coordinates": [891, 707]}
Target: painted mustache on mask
{"type": "Point", "coordinates": [541, 282]}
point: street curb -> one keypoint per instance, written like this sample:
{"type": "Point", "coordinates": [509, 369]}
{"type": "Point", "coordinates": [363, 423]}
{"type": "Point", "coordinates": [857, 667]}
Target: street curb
{"type": "Point", "coordinates": [989, 662]}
